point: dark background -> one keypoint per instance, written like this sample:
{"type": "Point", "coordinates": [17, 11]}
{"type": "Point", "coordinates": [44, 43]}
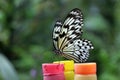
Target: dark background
{"type": "Point", "coordinates": [26, 35]}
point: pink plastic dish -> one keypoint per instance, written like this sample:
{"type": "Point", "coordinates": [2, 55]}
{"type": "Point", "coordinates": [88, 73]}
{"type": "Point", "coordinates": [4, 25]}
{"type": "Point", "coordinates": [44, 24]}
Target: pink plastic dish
{"type": "Point", "coordinates": [53, 71]}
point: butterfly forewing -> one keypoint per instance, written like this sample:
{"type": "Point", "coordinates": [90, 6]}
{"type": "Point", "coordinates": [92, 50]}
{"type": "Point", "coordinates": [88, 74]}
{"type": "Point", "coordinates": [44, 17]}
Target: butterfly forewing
{"type": "Point", "coordinates": [71, 27]}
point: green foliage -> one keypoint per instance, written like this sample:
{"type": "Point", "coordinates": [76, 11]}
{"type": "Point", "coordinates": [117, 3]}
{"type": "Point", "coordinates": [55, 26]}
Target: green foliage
{"type": "Point", "coordinates": [26, 34]}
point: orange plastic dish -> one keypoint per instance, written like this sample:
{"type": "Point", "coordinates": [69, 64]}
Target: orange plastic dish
{"type": "Point", "coordinates": [85, 68]}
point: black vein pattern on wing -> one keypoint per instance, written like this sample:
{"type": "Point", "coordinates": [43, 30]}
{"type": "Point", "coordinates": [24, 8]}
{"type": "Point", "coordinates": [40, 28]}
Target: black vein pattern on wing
{"type": "Point", "coordinates": [79, 49]}
{"type": "Point", "coordinates": [69, 56]}
{"type": "Point", "coordinates": [56, 32]}
{"type": "Point", "coordinates": [73, 23]}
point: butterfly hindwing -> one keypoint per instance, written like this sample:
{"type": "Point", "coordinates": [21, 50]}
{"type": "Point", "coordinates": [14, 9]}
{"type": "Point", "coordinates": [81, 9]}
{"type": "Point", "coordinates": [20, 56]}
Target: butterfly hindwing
{"type": "Point", "coordinates": [79, 50]}
{"type": "Point", "coordinates": [56, 32]}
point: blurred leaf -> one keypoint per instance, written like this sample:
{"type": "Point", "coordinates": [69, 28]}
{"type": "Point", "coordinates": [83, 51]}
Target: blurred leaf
{"type": "Point", "coordinates": [4, 36]}
{"type": "Point", "coordinates": [96, 22]}
{"type": "Point", "coordinates": [7, 69]}
{"type": "Point", "coordinates": [108, 76]}
{"type": "Point", "coordinates": [117, 15]}
{"type": "Point", "coordinates": [26, 60]}
{"type": "Point", "coordinates": [2, 17]}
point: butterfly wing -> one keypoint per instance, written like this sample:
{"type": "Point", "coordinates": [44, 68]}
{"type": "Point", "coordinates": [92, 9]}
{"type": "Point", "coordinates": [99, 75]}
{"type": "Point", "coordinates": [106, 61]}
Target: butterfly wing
{"type": "Point", "coordinates": [56, 32]}
{"type": "Point", "coordinates": [71, 28]}
{"type": "Point", "coordinates": [78, 50]}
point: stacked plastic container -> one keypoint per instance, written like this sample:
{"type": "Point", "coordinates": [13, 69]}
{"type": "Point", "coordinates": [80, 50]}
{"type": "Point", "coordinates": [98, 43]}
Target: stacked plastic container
{"type": "Point", "coordinates": [68, 69]}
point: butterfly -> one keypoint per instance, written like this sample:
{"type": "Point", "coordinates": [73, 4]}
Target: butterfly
{"type": "Point", "coordinates": [67, 37]}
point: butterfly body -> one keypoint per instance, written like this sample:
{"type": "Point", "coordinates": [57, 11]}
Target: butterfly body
{"type": "Point", "coordinates": [67, 37]}
{"type": "Point", "coordinates": [58, 52]}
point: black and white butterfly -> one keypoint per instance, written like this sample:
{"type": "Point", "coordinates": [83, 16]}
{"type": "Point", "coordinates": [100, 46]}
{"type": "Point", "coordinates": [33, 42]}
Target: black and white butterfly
{"type": "Point", "coordinates": [67, 39]}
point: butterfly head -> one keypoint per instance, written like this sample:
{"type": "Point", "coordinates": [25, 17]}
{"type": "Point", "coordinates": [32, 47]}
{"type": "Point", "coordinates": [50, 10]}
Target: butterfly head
{"type": "Point", "coordinates": [58, 52]}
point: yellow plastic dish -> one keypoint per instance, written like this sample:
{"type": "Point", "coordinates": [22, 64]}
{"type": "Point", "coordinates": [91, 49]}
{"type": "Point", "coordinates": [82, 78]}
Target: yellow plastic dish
{"type": "Point", "coordinates": [68, 64]}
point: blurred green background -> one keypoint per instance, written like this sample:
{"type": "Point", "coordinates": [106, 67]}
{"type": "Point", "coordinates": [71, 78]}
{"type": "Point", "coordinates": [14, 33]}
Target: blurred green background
{"type": "Point", "coordinates": [26, 35]}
